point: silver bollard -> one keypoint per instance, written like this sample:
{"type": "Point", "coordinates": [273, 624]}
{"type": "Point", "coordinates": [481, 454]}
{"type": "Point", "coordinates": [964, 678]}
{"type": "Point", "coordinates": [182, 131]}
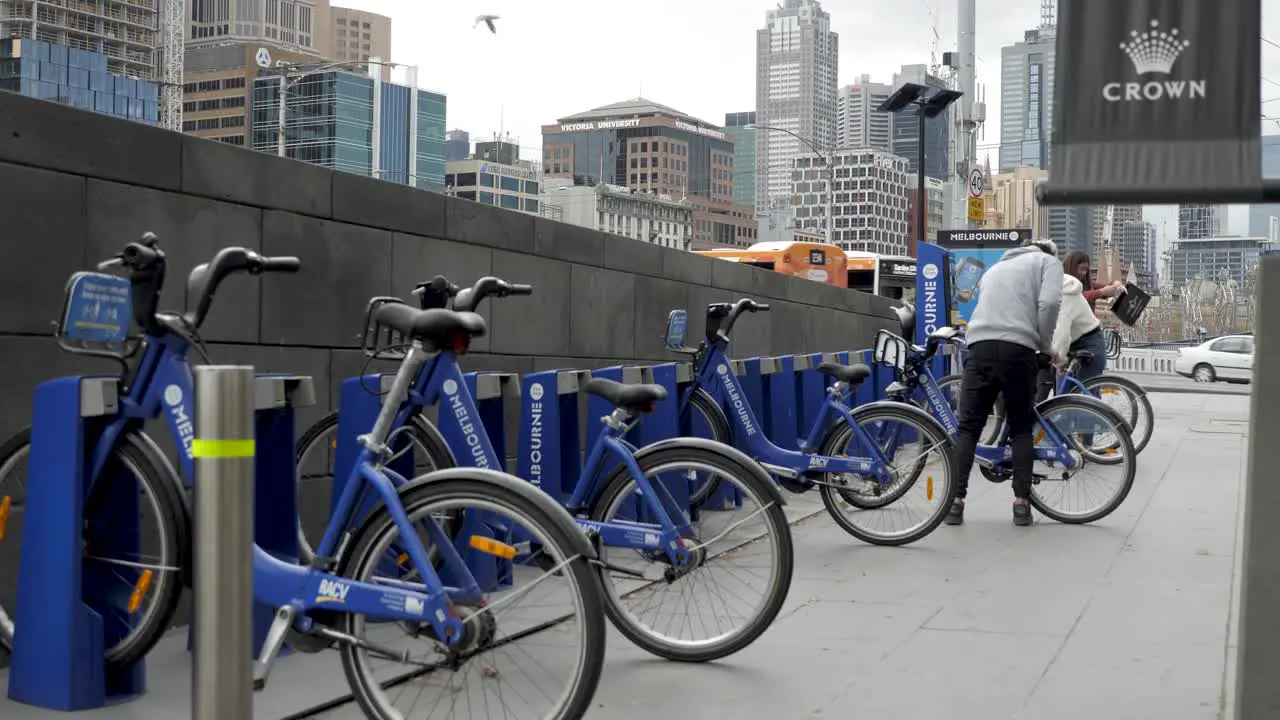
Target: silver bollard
{"type": "Point", "coordinates": [222, 675]}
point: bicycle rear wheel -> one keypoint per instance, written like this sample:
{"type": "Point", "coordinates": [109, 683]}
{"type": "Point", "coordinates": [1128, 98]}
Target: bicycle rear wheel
{"type": "Point", "coordinates": [751, 539]}
{"type": "Point", "coordinates": [502, 664]}
{"type": "Point", "coordinates": [147, 565]}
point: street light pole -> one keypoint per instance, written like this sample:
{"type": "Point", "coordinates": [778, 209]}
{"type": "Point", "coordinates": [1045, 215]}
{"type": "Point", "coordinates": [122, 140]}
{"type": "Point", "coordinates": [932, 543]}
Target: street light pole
{"type": "Point", "coordinates": [922, 195]}
{"type": "Point", "coordinates": [280, 126]}
{"type": "Point", "coordinates": [827, 159]}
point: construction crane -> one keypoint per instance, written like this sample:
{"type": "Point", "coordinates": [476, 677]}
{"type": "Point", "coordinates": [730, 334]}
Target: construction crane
{"type": "Point", "coordinates": [171, 41]}
{"type": "Point", "coordinates": [1048, 14]}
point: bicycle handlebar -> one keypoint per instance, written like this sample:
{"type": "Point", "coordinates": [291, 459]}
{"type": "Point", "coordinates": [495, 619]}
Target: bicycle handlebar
{"type": "Point", "coordinates": [435, 293]}
{"type": "Point", "coordinates": [729, 313]}
{"type": "Point", "coordinates": [145, 265]}
{"type": "Point", "coordinates": [468, 300]}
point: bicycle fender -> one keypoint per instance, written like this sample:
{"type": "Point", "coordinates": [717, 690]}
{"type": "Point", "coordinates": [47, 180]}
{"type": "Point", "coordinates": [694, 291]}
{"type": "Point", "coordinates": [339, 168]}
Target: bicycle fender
{"type": "Point", "coordinates": [728, 452]}
{"type": "Point", "coordinates": [544, 502]}
{"type": "Point", "coordinates": [429, 429]}
{"type": "Point", "coordinates": [915, 413]}
{"type": "Point", "coordinates": [1091, 401]}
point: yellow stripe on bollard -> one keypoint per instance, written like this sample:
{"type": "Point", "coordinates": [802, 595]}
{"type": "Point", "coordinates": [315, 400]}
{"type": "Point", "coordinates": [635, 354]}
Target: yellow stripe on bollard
{"type": "Point", "coordinates": [222, 448]}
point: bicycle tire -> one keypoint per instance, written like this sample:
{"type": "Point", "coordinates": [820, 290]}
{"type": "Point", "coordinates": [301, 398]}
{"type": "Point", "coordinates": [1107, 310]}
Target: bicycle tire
{"type": "Point", "coordinates": [776, 518]}
{"type": "Point", "coordinates": [166, 592]}
{"type": "Point", "coordinates": [1141, 403]}
{"type": "Point", "coordinates": [721, 432]}
{"type": "Point", "coordinates": [930, 432]}
{"type": "Point", "coordinates": [1123, 437]}
{"type": "Point", "coordinates": [423, 433]}
{"type": "Point", "coordinates": [412, 496]}
{"type": "Point", "coordinates": [837, 439]}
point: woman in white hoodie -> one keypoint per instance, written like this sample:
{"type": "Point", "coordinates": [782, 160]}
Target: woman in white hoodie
{"type": "Point", "coordinates": [1078, 328]}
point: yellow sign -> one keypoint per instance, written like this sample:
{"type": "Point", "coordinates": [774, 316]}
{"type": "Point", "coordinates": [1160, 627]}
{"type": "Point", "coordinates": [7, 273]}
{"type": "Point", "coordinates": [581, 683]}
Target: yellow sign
{"type": "Point", "coordinates": [977, 213]}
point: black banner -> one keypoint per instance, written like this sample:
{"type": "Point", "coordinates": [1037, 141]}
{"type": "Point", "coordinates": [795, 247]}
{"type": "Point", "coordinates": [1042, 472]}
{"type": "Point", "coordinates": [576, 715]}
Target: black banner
{"type": "Point", "coordinates": [1156, 100]}
{"type": "Point", "coordinates": [954, 239]}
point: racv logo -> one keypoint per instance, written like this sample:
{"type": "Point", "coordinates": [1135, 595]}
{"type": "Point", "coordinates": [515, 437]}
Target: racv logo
{"type": "Point", "coordinates": [1154, 52]}
{"type": "Point", "coordinates": [736, 401]}
{"type": "Point", "coordinates": [469, 426]}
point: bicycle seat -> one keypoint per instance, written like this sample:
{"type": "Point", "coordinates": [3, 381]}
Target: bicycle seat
{"type": "Point", "coordinates": [435, 327]}
{"type": "Point", "coordinates": [852, 374]}
{"type": "Point", "coordinates": [633, 398]}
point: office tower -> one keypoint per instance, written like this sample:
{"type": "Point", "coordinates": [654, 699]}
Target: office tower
{"type": "Point", "coordinates": [651, 148]}
{"type": "Point", "coordinates": [858, 123]}
{"type": "Point", "coordinates": [330, 121]}
{"type": "Point", "coordinates": [355, 36]}
{"type": "Point", "coordinates": [122, 30]}
{"type": "Point", "coordinates": [869, 207]}
{"type": "Point", "coordinates": [78, 78]}
{"type": "Point", "coordinates": [457, 145]}
{"type": "Point", "coordinates": [797, 58]}
{"type": "Point", "coordinates": [738, 127]}
{"type": "Point", "coordinates": [906, 128]}
{"type": "Point", "coordinates": [297, 25]}
{"type": "Point", "coordinates": [1026, 100]}
{"type": "Point", "coordinates": [1198, 221]}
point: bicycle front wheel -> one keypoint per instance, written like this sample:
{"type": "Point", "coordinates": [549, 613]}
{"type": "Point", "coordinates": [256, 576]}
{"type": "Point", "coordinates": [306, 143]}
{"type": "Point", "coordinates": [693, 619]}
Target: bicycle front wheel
{"type": "Point", "coordinates": [134, 536]}
{"type": "Point", "coordinates": [504, 669]}
{"type": "Point", "coordinates": [919, 464]}
{"type": "Point", "coordinates": [738, 581]}
{"type": "Point", "coordinates": [707, 420]}
{"type": "Point", "coordinates": [1108, 461]}
{"type": "Point", "coordinates": [1130, 400]}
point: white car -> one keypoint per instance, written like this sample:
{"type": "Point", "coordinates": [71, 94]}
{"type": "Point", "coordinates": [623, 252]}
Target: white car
{"type": "Point", "coordinates": [1228, 358]}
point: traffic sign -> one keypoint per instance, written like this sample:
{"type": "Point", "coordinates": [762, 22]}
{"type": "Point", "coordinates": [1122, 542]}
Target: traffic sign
{"type": "Point", "coordinates": [976, 186]}
{"type": "Point", "coordinates": [263, 58]}
{"type": "Point", "coordinates": [977, 209]}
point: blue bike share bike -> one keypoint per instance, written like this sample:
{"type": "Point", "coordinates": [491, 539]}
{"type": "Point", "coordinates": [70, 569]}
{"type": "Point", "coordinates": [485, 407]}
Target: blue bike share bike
{"type": "Point", "coordinates": [394, 571]}
{"type": "Point", "coordinates": [1124, 396]}
{"type": "Point", "coordinates": [1078, 437]}
{"type": "Point", "coordinates": [839, 455]}
{"type": "Point", "coordinates": [658, 560]}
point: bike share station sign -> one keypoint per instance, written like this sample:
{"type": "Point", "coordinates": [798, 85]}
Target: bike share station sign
{"type": "Point", "coordinates": [972, 252]}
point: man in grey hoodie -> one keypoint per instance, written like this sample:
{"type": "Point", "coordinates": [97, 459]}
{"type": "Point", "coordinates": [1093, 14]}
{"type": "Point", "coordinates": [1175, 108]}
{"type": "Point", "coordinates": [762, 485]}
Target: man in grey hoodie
{"type": "Point", "coordinates": [1014, 319]}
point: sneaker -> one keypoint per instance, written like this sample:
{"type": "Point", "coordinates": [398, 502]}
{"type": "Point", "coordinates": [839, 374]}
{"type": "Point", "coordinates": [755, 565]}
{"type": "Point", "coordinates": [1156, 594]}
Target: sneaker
{"type": "Point", "coordinates": [1021, 514]}
{"type": "Point", "coordinates": [955, 516]}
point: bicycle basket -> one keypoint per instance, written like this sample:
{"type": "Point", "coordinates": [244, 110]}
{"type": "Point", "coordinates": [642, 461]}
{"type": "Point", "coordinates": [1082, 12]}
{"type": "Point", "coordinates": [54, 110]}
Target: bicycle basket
{"type": "Point", "coordinates": [1114, 343]}
{"type": "Point", "coordinates": [890, 350]}
{"type": "Point", "coordinates": [380, 341]}
{"type": "Point", "coordinates": [1129, 306]}
{"type": "Point", "coordinates": [97, 316]}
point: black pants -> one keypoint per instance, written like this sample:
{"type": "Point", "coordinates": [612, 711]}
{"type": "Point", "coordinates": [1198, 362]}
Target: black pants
{"type": "Point", "coordinates": [995, 368]}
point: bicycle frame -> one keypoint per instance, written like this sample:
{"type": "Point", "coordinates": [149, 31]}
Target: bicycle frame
{"type": "Point", "coordinates": [714, 373]}
{"type": "Point", "coordinates": [441, 382]}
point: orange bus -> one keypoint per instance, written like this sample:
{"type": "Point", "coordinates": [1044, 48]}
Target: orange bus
{"type": "Point", "coordinates": [814, 261]}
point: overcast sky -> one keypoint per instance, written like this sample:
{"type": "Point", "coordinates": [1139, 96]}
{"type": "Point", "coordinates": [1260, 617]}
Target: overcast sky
{"type": "Point", "coordinates": [552, 58]}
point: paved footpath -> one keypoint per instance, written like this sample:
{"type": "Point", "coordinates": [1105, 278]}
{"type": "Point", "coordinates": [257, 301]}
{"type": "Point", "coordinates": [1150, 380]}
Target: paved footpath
{"type": "Point", "coordinates": [1127, 619]}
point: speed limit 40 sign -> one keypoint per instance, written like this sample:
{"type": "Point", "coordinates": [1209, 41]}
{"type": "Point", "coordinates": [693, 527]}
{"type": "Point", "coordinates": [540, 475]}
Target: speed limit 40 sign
{"type": "Point", "coordinates": [977, 183]}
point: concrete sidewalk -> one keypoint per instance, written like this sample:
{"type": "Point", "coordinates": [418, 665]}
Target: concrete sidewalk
{"type": "Point", "coordinates": [1125, 619]}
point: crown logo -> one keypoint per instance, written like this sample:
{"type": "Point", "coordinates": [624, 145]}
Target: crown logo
{"type": "Point", "coordinates": [1154, 51]}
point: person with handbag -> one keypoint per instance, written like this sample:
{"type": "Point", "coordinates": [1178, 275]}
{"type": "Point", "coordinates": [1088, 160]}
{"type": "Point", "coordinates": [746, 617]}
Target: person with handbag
{"type": "Point", "coordinates": [1078, 326]}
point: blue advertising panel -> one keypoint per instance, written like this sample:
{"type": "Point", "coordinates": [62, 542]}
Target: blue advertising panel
{"type": "Point", "coordinates": [972, 253]}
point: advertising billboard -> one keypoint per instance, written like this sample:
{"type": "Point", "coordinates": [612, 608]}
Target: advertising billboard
{"type": "Point", "coordinates": [972, 252]}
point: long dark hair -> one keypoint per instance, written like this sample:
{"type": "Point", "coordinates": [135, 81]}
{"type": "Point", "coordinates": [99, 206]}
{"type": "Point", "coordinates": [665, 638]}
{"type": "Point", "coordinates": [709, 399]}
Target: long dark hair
{"type": "Point", "coordinates": [1072, 262]}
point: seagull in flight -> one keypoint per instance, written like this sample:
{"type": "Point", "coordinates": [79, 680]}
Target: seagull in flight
{"type": "Point", "coordinates": [487, 20]}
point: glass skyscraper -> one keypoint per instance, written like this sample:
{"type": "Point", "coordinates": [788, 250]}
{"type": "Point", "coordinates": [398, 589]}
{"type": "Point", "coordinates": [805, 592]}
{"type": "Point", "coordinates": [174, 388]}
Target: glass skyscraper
{"type": "Point", "coordinates": [354, 123]}
{"type": "Point", "coordinates": [736, 126]}
{"type": "Point", "coordinates": [75, 77]}
{"type": "Point", "coordinates": [1260, 216]}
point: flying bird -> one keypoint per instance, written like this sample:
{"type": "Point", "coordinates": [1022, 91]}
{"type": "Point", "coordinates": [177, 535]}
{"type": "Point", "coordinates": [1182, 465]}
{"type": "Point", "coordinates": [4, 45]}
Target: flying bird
{"type": "Point", "coordinates": [487, 20]}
